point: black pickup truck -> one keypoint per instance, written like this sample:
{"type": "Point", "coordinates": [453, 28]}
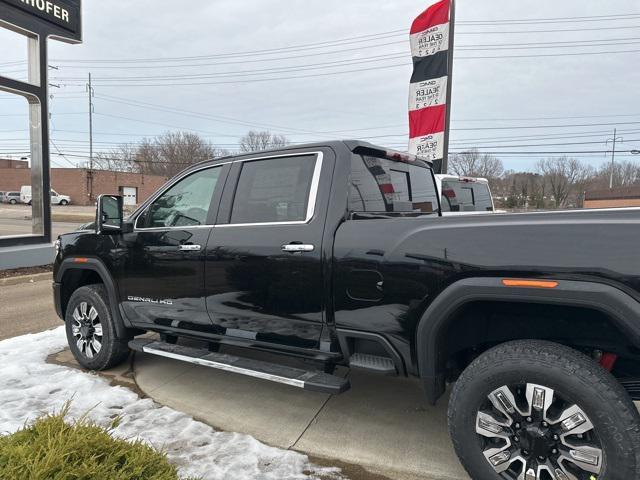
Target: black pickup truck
{"type": "Point", "coordinates": [337, 253]}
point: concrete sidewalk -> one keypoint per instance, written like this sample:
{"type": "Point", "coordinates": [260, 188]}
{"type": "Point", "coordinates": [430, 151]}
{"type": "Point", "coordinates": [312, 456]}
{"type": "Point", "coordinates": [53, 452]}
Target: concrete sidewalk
{"type": "Point", "coordinates": [382, 423]}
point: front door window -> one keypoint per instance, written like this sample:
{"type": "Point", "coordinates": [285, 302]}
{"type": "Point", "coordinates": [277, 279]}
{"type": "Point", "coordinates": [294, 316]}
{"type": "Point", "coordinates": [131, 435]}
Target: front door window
{"type": "Point", "coordinates": [185, 204]}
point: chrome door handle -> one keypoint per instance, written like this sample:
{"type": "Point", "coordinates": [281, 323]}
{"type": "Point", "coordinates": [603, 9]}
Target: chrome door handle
{"type": "Point", "coordinates": [297, 247]}
{"type": "Point", "coordinates": [189, 248]}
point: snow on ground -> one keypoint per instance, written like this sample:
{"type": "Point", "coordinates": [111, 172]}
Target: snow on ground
{"type": "Point", "coordinates": [29, 387]}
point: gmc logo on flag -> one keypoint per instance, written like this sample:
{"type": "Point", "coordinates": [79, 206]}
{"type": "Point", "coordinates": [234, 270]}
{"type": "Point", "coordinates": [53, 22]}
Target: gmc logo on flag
{"type": "Point", "coordinates": [430, 87]}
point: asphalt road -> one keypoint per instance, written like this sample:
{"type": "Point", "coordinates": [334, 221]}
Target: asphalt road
{"type": "Point", "coordinates": [15, 226]}
{"type": "Point", "coordinates": [26, 308]}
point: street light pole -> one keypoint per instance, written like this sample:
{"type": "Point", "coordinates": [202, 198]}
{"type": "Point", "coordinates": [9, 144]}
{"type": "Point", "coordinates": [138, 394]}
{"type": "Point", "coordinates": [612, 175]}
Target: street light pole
{"type": "Point", "coordinates": [613, 155]}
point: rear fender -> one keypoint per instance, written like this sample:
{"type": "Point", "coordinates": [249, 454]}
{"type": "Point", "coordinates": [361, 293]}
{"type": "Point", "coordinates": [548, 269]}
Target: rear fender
{"type": "Point", "coordinates": [623, 310]}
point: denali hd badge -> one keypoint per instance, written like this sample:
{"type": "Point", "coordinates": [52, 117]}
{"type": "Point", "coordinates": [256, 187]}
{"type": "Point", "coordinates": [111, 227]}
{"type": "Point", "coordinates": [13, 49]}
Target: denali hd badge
{"type": "Point", "coordinates": [161, 301]}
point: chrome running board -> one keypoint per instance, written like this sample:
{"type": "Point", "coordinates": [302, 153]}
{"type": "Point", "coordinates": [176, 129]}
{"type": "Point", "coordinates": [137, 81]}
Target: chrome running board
{"type": "Point", "coordinates": [296, 377]}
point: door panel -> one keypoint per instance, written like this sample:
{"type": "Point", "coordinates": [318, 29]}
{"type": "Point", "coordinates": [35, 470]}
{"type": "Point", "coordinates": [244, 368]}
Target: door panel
{"type": "Point", "coordinates": [164, 283]}
{"type": "Point", "coordinates": [162, 277]}
{"type": "Point", "coordinates": [255, 289]}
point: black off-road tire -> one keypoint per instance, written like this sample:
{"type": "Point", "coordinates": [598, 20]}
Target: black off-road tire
{"type": "Point", "coordinates": [571, 374]}
{"type": "Point", "coordinates": [113, 350]}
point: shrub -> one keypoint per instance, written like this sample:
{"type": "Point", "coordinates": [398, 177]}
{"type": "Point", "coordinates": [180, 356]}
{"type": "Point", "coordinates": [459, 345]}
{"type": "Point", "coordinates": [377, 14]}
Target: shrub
{"type": "Point", "coordinates": [53, 449]}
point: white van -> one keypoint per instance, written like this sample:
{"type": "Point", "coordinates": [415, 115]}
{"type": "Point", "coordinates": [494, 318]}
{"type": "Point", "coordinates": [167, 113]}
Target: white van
{"type": "Point", "coordinates": [56, 198]}
{"type": "Point", "coordinates": [464, 195]}
{"type": "Point", "coordinates": [25, 194]}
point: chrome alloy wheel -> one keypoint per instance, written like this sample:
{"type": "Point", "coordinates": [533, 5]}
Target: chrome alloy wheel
{"type": "Point", "coordinates": [87, 329]}
{"type": "Point", "coordinates": [529, 432]}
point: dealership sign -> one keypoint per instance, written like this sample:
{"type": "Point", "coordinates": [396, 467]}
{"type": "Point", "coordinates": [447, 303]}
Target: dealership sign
{"type": "Point", "coordinates": [38, 21]}
{"type": "Point", "coordinates": [61, 18]}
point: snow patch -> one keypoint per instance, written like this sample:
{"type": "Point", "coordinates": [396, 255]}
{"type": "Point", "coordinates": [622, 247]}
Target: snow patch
{"type": "Point", "coordinates": [30, 387]}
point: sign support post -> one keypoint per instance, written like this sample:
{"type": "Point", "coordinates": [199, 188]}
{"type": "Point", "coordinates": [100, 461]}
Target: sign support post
{"type": "Point", "coordinates": [447, 125]}
{"type": "Point", "coordinates": [38, 20]}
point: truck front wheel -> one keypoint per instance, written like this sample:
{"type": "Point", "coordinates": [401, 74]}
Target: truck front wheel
{"type": "Point", "coordinates": [535, 410]}
{"type": "Point", "coordinates": [91, 330]}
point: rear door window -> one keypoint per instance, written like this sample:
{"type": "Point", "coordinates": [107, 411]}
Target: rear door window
{"type": "Point", "coordinates": [465, 196]}
{"type": "Point", "coordinates": [379, 185]}
{"type": "Point", "coordinates": [275, 190]}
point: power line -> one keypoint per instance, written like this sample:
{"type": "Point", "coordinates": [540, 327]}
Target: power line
{"type": "Point", "coordinates": [367, 37]}
{"type": "Point", "coordinates": [563, 30]}
{"type": "Point", "coordinates": [471, 47]}
{"type": "Point", "coordinates": [219, 118]}
{"type": "Point", "coordinates": [462, 148]}
{"type": "Point", "coordinates": [61, 154]}
{"type": "Point", "coordinates": [323, 74]}
{"type": "Point", "coordinates": [282, 69]}
{"type": "Point", "coordinates": [403, 34]}
{"type": "Point", "coordinates": [301, 67]}
{"type": "Point", "coordinates": [591, 18]}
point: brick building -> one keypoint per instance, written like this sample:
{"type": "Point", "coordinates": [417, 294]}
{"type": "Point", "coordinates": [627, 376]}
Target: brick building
{"type": "Point", "coordinates": [76, 182]}
{"type": "Point", "coordinates": [8, 163]}
{"type": "Point", "coordinates": [614, 197]}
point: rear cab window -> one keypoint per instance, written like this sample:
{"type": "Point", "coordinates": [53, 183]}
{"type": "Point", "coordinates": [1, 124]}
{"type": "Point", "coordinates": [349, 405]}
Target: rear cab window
{"type": "Point", "coordinates": [384, 187]}
{"type": "Point", "coordinates": [465, 196]}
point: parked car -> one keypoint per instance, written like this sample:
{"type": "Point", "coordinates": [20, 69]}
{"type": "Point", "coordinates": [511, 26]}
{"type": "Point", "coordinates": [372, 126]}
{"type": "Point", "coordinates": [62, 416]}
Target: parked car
{"type": "Point", "coordinates": [56, 198]}
{"type": "Point", "coordinates": [59, 199]}
{"type": "Point", "coordinates": [337, 253]}
{"type": "Point", "coordinates": [11, 197]}
{"type": "Point", "coordinates": [460, 195]}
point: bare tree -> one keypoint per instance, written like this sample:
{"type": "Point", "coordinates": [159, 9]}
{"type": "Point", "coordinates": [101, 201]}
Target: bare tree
{"type": "Point", "coordinates": [520, 190]}
{"type": "Point", "coordinates": [164, 155]}
{"type": "Point", "coordinates": [625, 173]}
{"type": "Point", "coordinates": [119, 159]}
{"type": "Point", "coordinates": [172, 152]}
{"type": "Point", "coordinates": [565, 176]}
{"type": "Point", "coordinates": [472, 163]}
{"type": "Point", "coordinates": [257, 141]}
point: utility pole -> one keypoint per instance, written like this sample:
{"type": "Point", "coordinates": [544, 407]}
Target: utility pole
{"type": "Point", "coordinates": [613, 155]}
{"type": "Point", "coordinates": [90, 173]}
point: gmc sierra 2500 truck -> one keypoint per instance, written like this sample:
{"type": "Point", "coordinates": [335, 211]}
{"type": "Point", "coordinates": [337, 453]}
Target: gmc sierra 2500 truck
{"type": "Point", "coordinates": [337, 253]}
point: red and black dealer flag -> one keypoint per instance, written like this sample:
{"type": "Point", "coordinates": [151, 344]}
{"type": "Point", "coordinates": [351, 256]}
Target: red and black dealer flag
{"type": "Point", "coordinates": [430, 49]}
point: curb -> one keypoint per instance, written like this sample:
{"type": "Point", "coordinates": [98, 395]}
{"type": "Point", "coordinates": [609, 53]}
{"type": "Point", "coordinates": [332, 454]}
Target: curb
{"type": "Point", "coordinates": [36, 277]}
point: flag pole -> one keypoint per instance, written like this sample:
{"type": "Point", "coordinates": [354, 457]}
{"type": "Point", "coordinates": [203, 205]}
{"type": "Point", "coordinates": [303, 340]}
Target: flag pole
{"type": "Point", "coordinates": [445, 146]}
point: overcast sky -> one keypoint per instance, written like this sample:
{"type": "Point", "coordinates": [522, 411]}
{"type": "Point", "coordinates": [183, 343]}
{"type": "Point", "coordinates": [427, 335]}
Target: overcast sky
{"type": "Point", "coordinates": [573, 98]}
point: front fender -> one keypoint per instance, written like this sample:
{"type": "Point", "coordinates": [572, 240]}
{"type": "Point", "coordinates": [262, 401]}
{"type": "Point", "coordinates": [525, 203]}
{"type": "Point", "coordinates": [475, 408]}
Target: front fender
{"type": "Point", "coordinates": [94, 264]}
{"type": "Point", "coordinates": [623, 309]}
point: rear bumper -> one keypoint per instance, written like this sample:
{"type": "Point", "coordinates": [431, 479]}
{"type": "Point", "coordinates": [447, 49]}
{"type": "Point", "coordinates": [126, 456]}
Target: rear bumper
{"type": "Point", "coordinates": [57, 301]}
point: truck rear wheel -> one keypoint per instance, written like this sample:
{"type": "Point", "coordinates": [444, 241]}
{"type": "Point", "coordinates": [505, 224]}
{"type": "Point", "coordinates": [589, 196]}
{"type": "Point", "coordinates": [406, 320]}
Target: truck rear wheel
{"type": "Point", "coordinates": [535, 410]}
{"type": "Point", "coordinates": [91, 330]}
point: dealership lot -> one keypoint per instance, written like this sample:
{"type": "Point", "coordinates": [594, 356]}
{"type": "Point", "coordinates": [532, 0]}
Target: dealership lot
{"type": "Point", "coordinates": [382, 423]}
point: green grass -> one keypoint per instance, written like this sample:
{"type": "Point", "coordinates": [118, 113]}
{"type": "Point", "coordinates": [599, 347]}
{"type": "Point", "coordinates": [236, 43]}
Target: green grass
{"type": "Point", "coordinates": [53, 449]}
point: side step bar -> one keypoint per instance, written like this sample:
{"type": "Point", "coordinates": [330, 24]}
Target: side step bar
{"type": "Point", "coordinates": [296, 377]}
{"type": "Point", "coordinates": [373, 363]}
